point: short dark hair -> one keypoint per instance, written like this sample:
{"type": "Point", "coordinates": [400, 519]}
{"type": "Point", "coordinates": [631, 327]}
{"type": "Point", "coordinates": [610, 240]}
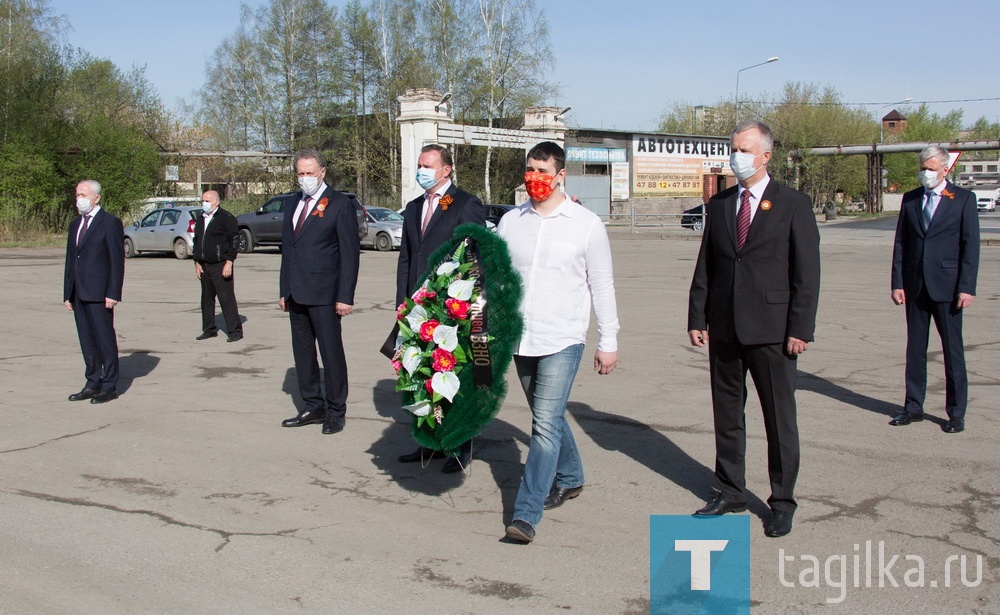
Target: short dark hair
{"type": "Point", "coordinates": [547, 150]}
{"type": "Point", "coordinates": [314, 154]}
{"type": "Point", "coordinates": [442, 150]}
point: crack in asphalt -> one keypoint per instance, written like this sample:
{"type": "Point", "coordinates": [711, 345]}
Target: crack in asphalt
{"type": "Point", "coordinates": [474, 585]}
{"type": "Point", "coordinates": [71, 435]}
{"type": "Point", "coordinates": [225, 535]}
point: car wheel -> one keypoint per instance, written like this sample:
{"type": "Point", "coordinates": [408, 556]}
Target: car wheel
{"type": "Point", "coordinates": [699, 225]}
{"type": "Point", "coordinates": [246, 241]}
{"type": "Point", "coordinates": [383, 242]}
{"type": "Point", "coordinates": [129, 248]}
{"type": "Point", "coordinates": [180, 249]}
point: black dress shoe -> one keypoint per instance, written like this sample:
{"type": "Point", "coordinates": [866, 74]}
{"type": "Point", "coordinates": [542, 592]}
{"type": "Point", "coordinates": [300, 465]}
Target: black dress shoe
{"type": "Point", "coordinates": [306, 418]}
{"type": "Point", "coordinates": [206, 335]}
{"type": "Point", "coordinates": [84, 393]}
{"type": "Point", "coordinates": [953, 427]}
{"type": "Point", "coordinates": [779, 524]}
{"type": "Point", "coordinates": [558, 496]}
{"type": "Point", "coordinates": [421, 454]}
{"type": "Point", "coordinates": [102, 397]}
{"type": "Point", "coordinates": [333, 426]}
{"type": "Point", "coordinates": [457, 463]}
{"type": "Point", "coordinates": [235, 337]}
{"type": "Point", "coordinates": [520, 531]}
{"type": "Point", "coordinates": [720, 506]}
{"type": "Point", "coordinates": [905, 418]}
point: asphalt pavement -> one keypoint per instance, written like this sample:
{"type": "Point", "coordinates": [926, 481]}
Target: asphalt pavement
{"type": "Point", "coordinates": [187, 496]}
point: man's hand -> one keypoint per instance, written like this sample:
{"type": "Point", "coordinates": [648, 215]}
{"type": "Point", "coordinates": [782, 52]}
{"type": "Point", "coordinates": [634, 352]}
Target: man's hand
{"type": "Point", "coordinates": [963, 301]}
{"type": "Point", "coordinates": [227, 270]}
{"type": "Point", "coordinates": [282, 304]}
{"type": "Point", "coordinates": [605, 362]}
{"type": "Point", "coordinates": [698, 338]}
{"type": "Point", "coordinates": [69, 306]}
{"type": "Point", "coordinates": [110, 303]}
{"type": "Point", "coordinates": [198, 270]}
{"type": "Point", "coordinates": [898, 296]}
{"type": "Point", "coordinates": [343, 309]}
{"type": "Point", "coordinates": [794, 346]}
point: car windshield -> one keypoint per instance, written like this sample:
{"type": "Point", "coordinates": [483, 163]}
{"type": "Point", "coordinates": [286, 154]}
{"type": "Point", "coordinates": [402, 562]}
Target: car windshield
{"type": "Point", "coordinates": [384, 215]}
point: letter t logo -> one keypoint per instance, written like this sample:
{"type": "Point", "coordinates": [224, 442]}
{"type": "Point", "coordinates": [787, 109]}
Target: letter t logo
{"type": "Point", "coordinates": [701, 560]}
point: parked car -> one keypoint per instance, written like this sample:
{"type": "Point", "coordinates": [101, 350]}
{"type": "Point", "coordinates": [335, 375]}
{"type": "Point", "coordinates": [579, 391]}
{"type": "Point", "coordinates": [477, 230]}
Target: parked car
{"type": "Point", "coordinates": [168, 229]}
{"type": "Point", "coordinates": [263, 227]}
{"type": "Point", "coordinates": [985, 203]}
{"type": "Point", "coordinates": [495, 212]}
{"type": "Point", "coordinates": [385, 229]}
{"type": "Point", "coordinates": [694, 218]}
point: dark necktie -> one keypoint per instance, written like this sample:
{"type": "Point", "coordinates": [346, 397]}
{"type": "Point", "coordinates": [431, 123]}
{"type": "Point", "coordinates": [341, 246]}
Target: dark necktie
{"type": "Point", "coordinates": [929, 209]}
{"type": "Point", "coordinates": [302, 217]}
{"type": "Point", "coordinates": [83, 229]}
{"type": "Point", "coordinates": [743, 220]}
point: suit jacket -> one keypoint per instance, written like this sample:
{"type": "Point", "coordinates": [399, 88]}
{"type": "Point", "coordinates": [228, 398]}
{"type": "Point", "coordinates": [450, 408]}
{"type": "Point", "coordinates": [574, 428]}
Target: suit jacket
{"type": "Point", "coordinates": [221, 242]}
{"type": "Point", "coordinates": [321, 266]}
{"type": "Point", "coordinates": [415, 251]}
{"type": "Point", "coordinates": [768, 290]}
{"type": "Point", "coordinates": [944, 257]}
{"type": "Point", "coordinates": [95, 269]}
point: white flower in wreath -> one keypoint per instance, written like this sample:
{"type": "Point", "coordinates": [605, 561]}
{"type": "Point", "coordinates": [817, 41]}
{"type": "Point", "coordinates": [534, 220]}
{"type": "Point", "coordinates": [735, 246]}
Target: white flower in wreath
{"type": "Point", "coordinates": [446, 337]}
{"type": "Point", "coordinates": [461, 289]}
{"type": "Point", "coordinates": [416, 317]}
{"type": "Point", "coordinates": [447, 267]}
{"type": "Point", "coordinates": [411, 359]}
{"type": "Point", "coordinates": [445, 384]}
{"type": "Point", "coordinates": [421, 408]}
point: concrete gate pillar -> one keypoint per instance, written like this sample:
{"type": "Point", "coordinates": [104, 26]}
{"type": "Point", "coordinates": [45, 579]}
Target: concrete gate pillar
{"type": "Point", "coordinates": [420, 112]}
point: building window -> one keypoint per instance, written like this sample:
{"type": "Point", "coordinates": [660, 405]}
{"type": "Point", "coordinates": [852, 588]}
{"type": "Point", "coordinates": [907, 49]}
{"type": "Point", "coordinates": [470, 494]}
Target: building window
{"type": "Point", "coordinates": [977, 168]}
{"type": "Point", "coordinates": [595, 169]}
{"type": "Point", "coordinates": [991, 168]}
{"type": "Point", "coordinates": [892, 124]}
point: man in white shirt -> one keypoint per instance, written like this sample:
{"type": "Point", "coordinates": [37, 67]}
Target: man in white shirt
{"type": "Point", "coordinates": [562, 252]}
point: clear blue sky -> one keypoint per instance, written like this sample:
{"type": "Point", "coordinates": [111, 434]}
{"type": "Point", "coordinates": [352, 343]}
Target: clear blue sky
{"type": "Point", "coordinates": [620, 63]}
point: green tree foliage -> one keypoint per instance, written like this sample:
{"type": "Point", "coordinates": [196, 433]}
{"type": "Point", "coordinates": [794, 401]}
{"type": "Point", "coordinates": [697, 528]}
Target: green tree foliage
{"type": "Point", "coordinates": [65, 116]}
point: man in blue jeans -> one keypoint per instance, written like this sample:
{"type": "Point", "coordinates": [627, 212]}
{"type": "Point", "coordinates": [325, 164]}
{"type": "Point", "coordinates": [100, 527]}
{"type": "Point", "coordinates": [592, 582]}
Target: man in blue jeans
{"type": "Point", "coordinates": [562, 252]}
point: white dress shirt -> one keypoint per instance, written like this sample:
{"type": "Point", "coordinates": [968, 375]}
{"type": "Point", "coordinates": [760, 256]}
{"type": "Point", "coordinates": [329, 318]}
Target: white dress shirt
{"type": "Point", "coordinates": [564, 259]}
{"type": "Point", "coordinates": [427, 202]}
{"type": "Point", "coordinates": [90, 214]}
{"type": "Point", "coordinates": [756, 193]}
{"type": "Point", "coordinates": [312, 205]}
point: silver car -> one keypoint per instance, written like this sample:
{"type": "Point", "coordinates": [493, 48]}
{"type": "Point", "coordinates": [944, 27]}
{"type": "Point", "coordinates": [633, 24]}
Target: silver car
{"type": "Point", "coordinates": [168, 229]}
{"type": "Point", "coordinates": [385, 229]}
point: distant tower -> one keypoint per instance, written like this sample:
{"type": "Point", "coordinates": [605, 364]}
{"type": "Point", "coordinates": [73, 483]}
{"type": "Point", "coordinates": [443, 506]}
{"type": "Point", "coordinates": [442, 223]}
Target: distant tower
{"type": "Point", "coordinates": [894, 123]}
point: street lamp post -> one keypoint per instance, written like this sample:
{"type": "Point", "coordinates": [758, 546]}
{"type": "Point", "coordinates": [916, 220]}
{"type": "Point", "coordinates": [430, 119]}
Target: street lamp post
{"type": "Point", "coordinates": [905, 100]}
{"type": "Point", "coordinates": [768, 61]}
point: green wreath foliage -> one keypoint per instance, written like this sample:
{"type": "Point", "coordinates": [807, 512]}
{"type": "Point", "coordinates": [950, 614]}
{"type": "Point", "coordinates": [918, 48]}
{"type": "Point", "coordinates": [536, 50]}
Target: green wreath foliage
{"type": "Point", "coordinates": [473, 407]}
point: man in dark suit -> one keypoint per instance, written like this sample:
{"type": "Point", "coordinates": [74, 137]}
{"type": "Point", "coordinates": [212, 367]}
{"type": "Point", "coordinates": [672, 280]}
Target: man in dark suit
{"type": "Point", "coordinates": [95, 272]}
{"type": "Point", "coordinates": [216, 237]}
{"type": "Point", "coordinates": [320, 256]}
{"type": "Point", "coordinates": [935, 263]}
{"type": "Point", "coordinates": [755, 290]}
{"type": "Point", "coordinates": [428, 221]}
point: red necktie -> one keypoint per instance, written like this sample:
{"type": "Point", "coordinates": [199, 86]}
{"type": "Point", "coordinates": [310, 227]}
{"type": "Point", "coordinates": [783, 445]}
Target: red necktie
{"type": "Point", "coordinates": [302, 217]}
{"type": "Point", "coordinates": [83, 230]}
{"type": "Point", "coordinates": [430, 212]}
{"type": "Point", "coordinates": [743, 220]}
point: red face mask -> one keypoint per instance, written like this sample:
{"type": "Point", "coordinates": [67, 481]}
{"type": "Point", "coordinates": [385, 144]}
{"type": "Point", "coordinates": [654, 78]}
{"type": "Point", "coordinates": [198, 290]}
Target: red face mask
{"type": "Point", "coordinates": [539, 185]}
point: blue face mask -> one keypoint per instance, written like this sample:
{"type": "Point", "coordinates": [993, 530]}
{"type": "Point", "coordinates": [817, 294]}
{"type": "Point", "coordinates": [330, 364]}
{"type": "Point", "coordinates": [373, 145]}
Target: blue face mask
{"type": "Point", "coordinates": [206, 207]}
{"type": "Point", "coordinates": [426, 178]}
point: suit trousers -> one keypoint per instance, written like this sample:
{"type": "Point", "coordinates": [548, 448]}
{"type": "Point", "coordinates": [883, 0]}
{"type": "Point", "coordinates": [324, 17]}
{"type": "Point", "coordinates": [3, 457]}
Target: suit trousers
{"type": "Point", "coordinates": [212, 285]}
{"type": "Point", "coordinates": [320, 325]}
{"type": "Point", "coordinates": [920, 310]}
{"type": "Point", "coordinates": [95, 324]}
{"type": "Point", "coordinates": [774, 374]}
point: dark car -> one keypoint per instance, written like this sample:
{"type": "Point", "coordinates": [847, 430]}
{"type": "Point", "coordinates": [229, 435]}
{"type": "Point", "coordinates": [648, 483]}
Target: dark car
{"type": "Point", "coordinates": [495, 212]}
{"type": "Point", "coordinates": [694, 218]}
{"type": "Point", "coordinates": [263, 227]}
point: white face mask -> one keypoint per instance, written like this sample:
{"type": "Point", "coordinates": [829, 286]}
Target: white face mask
{"type": "Point", "coordinates": [83, 205]}
{"type": "Point", "coordinates": [309, 184]}
{"type": "Point", "coordinates": [426, 178]}
{"type": "Point", "coordinates": [929, 179]}
{"type": "Point", "coordinates": [742, 165]}
{"type": "Point", "coordinates": [206, 207]}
